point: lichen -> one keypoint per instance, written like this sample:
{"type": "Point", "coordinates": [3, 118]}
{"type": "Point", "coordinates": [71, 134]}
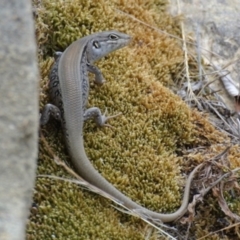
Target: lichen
{"type": "Point", "coordinates": [139, 154]}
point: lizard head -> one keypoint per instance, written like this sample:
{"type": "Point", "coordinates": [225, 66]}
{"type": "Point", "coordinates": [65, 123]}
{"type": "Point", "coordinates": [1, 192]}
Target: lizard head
{"type": "Point", "coordinates": [103, 43]}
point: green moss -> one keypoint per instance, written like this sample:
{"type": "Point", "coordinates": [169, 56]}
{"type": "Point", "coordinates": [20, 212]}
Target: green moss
{"type": "Point", "coordinates": [67, 212]}
{"type": "Point", "coordinates": [138, 155]}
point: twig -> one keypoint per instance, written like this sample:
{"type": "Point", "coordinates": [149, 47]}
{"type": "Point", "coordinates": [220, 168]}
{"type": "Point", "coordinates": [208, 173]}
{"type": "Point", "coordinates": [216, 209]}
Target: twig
{"type": "Point", "coordinates": [228, 227]}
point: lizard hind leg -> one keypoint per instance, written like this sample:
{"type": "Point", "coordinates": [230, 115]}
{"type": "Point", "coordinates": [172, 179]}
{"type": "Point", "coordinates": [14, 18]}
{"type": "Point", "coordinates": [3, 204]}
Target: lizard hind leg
{"type": "Point", "coordinates": [49, 109]}
{"type": "Point", "coordinates": [99, 118]}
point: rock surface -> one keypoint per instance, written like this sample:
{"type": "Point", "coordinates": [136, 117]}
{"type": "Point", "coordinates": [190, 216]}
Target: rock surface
{"type": "Point", "coordinates": [216, 25]}
{"type": "Point", "coordinates": [18, 116]}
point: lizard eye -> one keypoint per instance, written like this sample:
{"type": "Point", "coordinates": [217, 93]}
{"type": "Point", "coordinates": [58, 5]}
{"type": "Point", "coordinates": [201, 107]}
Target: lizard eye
{"type": "Point", "coordinates": [96, 44]}
{"type": "Point", "coordinates": [113, 37]}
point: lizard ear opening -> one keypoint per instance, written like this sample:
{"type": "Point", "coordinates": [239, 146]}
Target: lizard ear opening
{"type": "Point", "coordinates": [96, 44]}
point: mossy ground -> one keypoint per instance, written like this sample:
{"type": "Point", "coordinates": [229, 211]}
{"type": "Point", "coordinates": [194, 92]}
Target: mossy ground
{"type": "Point", "coordinates": [139, 155]}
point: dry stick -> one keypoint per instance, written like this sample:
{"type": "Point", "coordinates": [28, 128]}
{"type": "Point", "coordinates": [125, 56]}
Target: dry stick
{"type": "Point", "coordinates": [228, 227]}
{"type": "Point", "coordinates": [199, 57]}
{"type": "Point", "coordinates": [227, 81]}
{"type": "Point", "coordinates": [237, 134]}
{"type": "Point", "coordinates": [203, 192]}
{"type": "Point", "coordinates": [233, 91]}
{"type": "Point", "coordinates": [216, 71]}
{"type": "Point", "coordinates": [189, 88]}
{"type": "Point", "coordinates": [220, 154]}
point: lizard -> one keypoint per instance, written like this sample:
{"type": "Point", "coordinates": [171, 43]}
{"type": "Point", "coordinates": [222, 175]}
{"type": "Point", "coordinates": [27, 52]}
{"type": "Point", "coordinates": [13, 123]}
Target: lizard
{"type": "Point", "coordinates": [69, 89]}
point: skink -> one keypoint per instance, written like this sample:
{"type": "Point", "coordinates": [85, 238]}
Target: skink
{"type": "Point", "coordinates": [69, 88]}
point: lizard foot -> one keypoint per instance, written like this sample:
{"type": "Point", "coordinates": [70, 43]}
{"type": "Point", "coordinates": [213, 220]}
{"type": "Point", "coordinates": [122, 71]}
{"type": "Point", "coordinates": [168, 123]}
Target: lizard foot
{"type": "Point", "coordinates": [105, 119]}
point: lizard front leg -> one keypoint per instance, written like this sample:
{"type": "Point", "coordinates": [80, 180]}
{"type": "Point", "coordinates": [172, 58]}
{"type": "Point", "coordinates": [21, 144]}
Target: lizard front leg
{"type": "Point", "coordinates": [99, 79]}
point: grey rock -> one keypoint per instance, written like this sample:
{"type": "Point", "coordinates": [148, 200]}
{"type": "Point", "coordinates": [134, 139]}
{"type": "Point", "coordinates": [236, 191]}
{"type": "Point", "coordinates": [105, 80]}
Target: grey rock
{"type": "Point", "coordinates": [18, 116]}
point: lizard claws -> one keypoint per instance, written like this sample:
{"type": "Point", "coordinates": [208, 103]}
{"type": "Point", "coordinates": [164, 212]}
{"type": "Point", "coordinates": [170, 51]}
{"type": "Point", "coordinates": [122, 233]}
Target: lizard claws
{"type": "Point", "coordinates": [105, 118]}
